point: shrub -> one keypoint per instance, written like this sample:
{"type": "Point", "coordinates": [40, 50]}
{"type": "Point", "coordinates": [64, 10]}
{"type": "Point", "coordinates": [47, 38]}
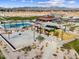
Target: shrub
{"type": "Point", "coordinates": [40, 38]}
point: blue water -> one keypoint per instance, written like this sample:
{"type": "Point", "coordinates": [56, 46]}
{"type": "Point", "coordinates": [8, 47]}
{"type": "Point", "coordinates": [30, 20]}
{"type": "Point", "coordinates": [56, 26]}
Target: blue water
{"type": "Point", "coordinates": [18, 25]}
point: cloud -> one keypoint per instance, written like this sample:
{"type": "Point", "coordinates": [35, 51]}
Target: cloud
{"type": "Point", "coordinates": [53, 2]}
{"type": "Point", "coordinates": [72, 2]}
{"type": "Point", "coordinates": [59, 3]}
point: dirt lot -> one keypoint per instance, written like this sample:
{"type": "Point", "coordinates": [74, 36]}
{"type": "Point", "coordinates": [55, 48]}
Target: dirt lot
{"type": "Point", "coordinates": [36, 13]}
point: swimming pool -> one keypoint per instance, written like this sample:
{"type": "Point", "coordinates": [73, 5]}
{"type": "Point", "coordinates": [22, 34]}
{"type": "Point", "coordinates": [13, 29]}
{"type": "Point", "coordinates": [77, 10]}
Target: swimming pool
{"type": "Point", "coordinates": [16, 25]}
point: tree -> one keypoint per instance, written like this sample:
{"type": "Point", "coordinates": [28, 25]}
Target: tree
{"type": "Point", "coordinates": [40, 38]}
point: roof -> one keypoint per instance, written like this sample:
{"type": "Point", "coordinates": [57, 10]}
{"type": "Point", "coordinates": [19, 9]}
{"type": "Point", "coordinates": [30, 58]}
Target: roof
{"type": "Point", "coordinates": [47, 18]}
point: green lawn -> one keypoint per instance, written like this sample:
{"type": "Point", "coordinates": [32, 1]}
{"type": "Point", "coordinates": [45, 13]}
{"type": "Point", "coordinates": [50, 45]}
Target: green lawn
{"type": "Point", "coordinates": [20, 18]}
{"type": "Point", "coordinates": [74, 44]}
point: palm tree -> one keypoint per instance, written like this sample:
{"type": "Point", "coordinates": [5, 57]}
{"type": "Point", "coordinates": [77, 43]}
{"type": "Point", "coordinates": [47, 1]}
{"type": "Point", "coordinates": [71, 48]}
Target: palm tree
{"type": "Point", "coordinates": [9, 29]}
{"type": "Point", "coordinates": [3, 22]}
{"type": "Point", "coordinates": [22, 22]}
{"type": "Point", "coordinates": [6, 28]}
{"type": "Point", "coordinates": [15, 23]}
{"type": "Point", "coordinates": [34, 32]}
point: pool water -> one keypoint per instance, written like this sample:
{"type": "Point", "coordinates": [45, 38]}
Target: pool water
{"type": "Point", "coordinates": [16, 25]}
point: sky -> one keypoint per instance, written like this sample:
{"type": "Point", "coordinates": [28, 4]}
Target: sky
{"type": "Point", "coordinates": [39, 3]}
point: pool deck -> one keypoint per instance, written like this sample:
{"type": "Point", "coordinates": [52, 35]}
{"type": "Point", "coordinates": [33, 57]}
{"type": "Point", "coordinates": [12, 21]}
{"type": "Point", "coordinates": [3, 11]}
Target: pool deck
{"type": "Point", "coordinates": [7, 42]}
{"type": "Point", "coordinates": [19, 41]}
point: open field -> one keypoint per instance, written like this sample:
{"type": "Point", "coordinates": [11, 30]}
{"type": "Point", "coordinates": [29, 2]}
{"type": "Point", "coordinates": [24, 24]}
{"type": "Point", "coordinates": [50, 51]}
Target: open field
{"type": "Point", "coordinates": [65, 35]}
{"type": "Point", "coordinates": [68, 13]}
{"type": "Point", "coordinates": [24, 14]}
{"type": "Point", "coordinates": [37, 13]}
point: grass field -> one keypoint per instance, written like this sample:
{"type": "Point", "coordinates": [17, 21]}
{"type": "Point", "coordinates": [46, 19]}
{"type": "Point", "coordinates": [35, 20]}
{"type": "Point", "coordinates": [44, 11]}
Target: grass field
{"type": "Point", "coordinates": [19, 18]}
{"type": "Point", "coordinates": [64, 35]}
{"type": "Point", "coordinates": [74, 44]}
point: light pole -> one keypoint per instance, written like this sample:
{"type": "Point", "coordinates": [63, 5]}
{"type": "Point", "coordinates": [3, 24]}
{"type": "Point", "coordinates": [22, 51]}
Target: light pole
{"type": "Point", "coordinates": [5, 27]}
{"type": "Point", "coordinates": [34, 31]}
{"type": "Point", "coordinates": [16, 25]}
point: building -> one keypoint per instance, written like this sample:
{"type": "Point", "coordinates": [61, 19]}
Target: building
{"type": "Point", "coordinates": [45, 18]}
